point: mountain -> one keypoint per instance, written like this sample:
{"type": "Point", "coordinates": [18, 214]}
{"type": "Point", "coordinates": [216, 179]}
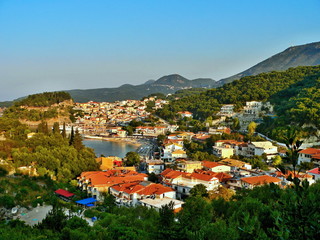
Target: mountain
{"type": "Point", "coordinates": [166, 84]}
{"type": "Point", "coordinates": [302, 55]}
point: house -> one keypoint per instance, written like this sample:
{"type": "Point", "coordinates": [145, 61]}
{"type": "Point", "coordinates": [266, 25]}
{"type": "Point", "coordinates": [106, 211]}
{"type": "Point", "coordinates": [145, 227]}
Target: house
{"type": "Point", "coordinates": [179, 153]}
{"type": "Point", "coordinates": [129, 194]}
{"type": "Point", "coordinates": [185, 135]}
{"type": "Point", "coordinates": [188, 166]}
{"type": "Point", "coordinates": [251, 182]}
{"type": "Point", "coordinates": [315, 173]}
{"type": "Point", "coordinates": [184, 182]}
{"type": "Point", "coordinates": [155, 166]}
{"type": "Point", "coordinates": [168, 149]}
{"type": "Point", "coordinates": [226, 148]}
{"type": "Point", "coordinates": [185, 114]}
{"type": "Point", "coordinates": [219, 130]}
{"type": "Point", "coordinates": [227, 110]}
{"type": "Point", "coordinates": [215, 167]}
{"type": "Point", "coordinates": [235, 164]}
{"type": "Point", "coordinates": [260, 148]}
{"type": "Point", "coordinates": [252, 108]}
{"type": "Point", "coordinates": [223, 152]}
{"type": "Point", "coordinates": [300, 176]}
{"type": "Point", "coordinates": [95, 183]}
{"type": "Point", "coordinates": [107, 163]}
{"type": "Point", "coordinates": [221, 176]}
{"type": "Point", "coordinates": [158, 203]}
{"type": "Point", "coordinates": [64, 194]}
{"type": "Point", "coordinates": [308, 155]}
{"type": "Point", "coordinates": [122, 133]}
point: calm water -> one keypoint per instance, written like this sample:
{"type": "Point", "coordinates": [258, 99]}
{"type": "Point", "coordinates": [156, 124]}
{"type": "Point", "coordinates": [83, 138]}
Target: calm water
{"type": "Point", "coordinates": [109, 148]}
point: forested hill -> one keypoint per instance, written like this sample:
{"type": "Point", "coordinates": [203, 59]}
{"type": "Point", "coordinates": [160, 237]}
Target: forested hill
{"type": "Point", "coordinates": [302, 55]}
{"type": "Point", "coordinates": [278, 87]}
{"type": "Point", "coordinates": [167, 84]}
{"type": "Point", "coordinates": [49, 106]}
{"type": "Point", "coordinates": [45, 99]}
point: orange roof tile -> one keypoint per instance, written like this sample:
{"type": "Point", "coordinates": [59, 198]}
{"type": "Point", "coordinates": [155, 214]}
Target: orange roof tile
{"type": "Point", "coordinates": [260, 180]}
{"type": "Point", "coordinates": [209, 164]}
{"type": "Point", "coordinates": [310, 151]}
{"type": "Point", "coordinates": [315, 171]}
{"type": "Point", "coordinates": [204, 177]}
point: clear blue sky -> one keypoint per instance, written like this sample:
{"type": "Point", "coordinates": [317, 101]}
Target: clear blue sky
{"type": "Point", "coordinates": [80, 44]}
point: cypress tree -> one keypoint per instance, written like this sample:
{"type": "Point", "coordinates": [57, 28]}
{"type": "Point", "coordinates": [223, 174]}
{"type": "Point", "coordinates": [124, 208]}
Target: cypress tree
{"type": "Point", "coordinates": [64, 134]}
{"type": "Point", "coordinates": [71, 137]}
{"type": "Point", "coordinates": [77, 141]}
{"type": "Point", "coordinates": [55, 128]}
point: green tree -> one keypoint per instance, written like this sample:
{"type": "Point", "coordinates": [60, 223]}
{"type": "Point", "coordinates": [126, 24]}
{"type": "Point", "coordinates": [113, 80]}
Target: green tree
{"type": "Point", "coordinates": [132, 159]}
{"type": "Point", "coordinates": [64, 133]}
{"type": "Point", "coordinates": [235, 124]}
{"type": "Point", "coordinates": [199, 190]}
{"type": "Point", "coordinates": [252, 128]}
{"type": "Point", "coordinates": [277, 160]}
{"type": "Point", "coordinates": [56, 128]}
{"type": "Point", "coordinates": [77, 141]}
{"type": "Point", "coordinates": [71, 140]}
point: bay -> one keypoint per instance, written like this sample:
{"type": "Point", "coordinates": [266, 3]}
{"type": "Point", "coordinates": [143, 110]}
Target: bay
{"type": "Point", "coordinates": [109, 148]}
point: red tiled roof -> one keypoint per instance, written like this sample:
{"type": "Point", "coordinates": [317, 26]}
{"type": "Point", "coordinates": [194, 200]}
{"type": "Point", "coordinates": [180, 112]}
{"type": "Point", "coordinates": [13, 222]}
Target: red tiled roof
{"type": "Point", "coordinates": [204, 177]}
{"type": "Point", "coordinates": [260, 180]}
{"type": "Point", "coordinates": [209, 164]}
{"type": "Point", "coordinates": [137, 187]}
{"type": "Point", "coordinates": [154, 188]}
{"type": "Point", "coordinates": [290, 173]}
{"type": "Point", "coordinates": [315, 171]}
{"type": "Point", "coordinates": [222, 176]}
{"type": "Point", "coordinates": [169, 173]}
{"type": "Point", "coordinates": [64, 193]}
{"type": "Point", "coordinates": [310, 151]}
{"type": "Point", "coordinates": [112, 177]}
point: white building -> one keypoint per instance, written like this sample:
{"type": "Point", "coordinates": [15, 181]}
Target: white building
{"type": "Point", "coordinates": [158, 203]}
{"type": "Point", "coordinates": [252, 108]}
{"type": "Point", "coordinates": [155, 166]}
{"type": "Point", "coordinates": [227, 110]}
{"type": "Point", "coordinates": [259, 148]}
{"type": "Point", "coordinates": [308, 155]}
{"type": "Point", "coordinates": [168, 149]}
{"type": "Point", "coordinates": [129, 194]}
{"type": "Point", "coordinates": [184, 182]}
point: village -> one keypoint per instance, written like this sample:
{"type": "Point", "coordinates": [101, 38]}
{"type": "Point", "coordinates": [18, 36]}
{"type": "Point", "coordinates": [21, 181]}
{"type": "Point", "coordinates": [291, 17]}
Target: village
{"type": "Point", "coordinates": [174, 173]}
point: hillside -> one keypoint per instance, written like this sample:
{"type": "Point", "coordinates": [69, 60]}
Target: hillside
{"type": "Point", "coordinates": [167, 84]}
{"type": "Point", "coordinates": [302, 55]}
{"type": "Point", "coordinates": [49, 106]}
{"type": "Point", "coordinates": [285, 89]}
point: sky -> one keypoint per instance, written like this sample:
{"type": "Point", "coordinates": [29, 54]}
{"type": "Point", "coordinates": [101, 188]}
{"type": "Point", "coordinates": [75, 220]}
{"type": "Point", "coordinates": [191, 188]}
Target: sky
{"type": "Point", "coordinates": [81, 44]}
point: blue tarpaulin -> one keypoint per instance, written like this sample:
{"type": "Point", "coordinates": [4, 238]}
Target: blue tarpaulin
{"type": "Point", "coordinates": [86, 201]}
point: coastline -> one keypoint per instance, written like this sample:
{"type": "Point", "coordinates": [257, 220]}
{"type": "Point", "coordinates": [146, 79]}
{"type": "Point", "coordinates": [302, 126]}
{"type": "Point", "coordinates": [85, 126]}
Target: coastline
{"type": "Point", "coordinates": [132, 141]}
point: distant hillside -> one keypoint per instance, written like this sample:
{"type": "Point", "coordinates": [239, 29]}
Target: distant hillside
{"type": "Point", "coordinates": [303, 55]}
{"type": "Point", "coordinates": [278, 87]}
{"type": "Point", "coordinates": [167, 84]}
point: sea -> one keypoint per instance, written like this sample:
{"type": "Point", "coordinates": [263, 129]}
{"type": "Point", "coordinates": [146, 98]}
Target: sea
{"type": "Point", "coordinates": [109, 148]}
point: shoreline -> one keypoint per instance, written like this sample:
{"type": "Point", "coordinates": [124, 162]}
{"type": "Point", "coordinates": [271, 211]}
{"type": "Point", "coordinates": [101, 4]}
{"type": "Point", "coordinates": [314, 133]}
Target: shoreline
{"type": "Point", "coordinates": [131, 141]}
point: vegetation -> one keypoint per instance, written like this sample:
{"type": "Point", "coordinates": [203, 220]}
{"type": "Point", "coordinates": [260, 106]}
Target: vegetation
{"type": "Point", "coordinates": [44, 99]}
{"type": "Point", "coordinates": [39, 107]}
{"type": "Point", "coordinates": [132, 159]}
{"type": "Point", "coordinates": [266, 212]}
{"type": "Point", "coordinates": [55, 156]}
{"type": "Point", "coordinates": [274, 86]}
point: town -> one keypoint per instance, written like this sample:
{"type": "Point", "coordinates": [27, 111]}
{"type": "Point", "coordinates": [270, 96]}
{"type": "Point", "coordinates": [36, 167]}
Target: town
{"type": "Point", "coordinates": [175, 173]}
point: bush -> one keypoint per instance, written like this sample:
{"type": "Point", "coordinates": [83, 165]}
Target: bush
{"type": "Point", "coordinates": [7, 201]}
{"type": "Point", "coordinates": [3, 172]}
